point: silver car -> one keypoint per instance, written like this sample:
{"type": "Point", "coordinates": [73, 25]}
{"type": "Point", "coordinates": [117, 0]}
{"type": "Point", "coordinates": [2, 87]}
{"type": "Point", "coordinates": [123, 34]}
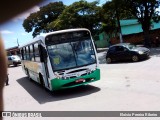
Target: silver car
{"type": "Point", "coordinates": [14, 60]}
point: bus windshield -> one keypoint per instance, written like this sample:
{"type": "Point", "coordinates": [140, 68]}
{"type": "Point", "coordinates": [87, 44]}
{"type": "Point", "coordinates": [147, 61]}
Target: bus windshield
{"type": "Point", "coordinates": [71, 54]}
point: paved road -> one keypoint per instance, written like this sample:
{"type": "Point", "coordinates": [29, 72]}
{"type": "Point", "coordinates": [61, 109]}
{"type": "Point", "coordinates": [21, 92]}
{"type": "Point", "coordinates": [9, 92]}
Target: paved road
{"type": "Point", "coordinates": [123, 87]}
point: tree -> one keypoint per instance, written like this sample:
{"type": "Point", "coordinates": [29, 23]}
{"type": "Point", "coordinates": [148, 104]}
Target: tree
{"type": "Point", "coordinates": [146, 12]}
{"type": "Point", "coordinates": [80, 14]}
{"type": "Point", "coordinates": [113, 12]}
{"type": "Point", "coordinates": [109, 19]}
{"type": "Point", "coordinates": [38, 21]}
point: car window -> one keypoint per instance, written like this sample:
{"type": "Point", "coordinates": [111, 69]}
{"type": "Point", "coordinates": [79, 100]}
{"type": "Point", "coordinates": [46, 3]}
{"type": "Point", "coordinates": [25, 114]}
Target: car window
{"type": "Point", "coordinates": [9, 58]}
{"type": "Point", "coordinates": [119, 48]}
{"type": "Point", "coordinates": [131, 46]}
{"type": "Point", "coordinates": [13, 58]}
{"type": "Point", "coordinates": [112, 49]}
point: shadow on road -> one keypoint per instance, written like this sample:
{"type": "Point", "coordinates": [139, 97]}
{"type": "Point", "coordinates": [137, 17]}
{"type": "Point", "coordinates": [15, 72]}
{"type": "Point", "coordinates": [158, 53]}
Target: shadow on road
{"type": "Point", "coordinates": [12, 66]}
{"type": "Point", "coordinates": [129, 61]}
{"type": "Point", "coordinates": [155, 52]}
{"type": "Point", "coordinates": [42, 96]}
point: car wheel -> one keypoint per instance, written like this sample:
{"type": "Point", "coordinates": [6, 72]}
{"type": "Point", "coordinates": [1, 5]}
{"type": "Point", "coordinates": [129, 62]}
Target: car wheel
{"type": "Point", "coordinates": [108, 60]}
{"type": "Point", "coordinates": [135, 58]}
{"type": "Point", "coordinates": [15, 64]}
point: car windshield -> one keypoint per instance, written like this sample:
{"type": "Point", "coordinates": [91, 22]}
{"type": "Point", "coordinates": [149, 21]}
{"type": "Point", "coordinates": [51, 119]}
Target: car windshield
{"type": "Point", "coordinates": [71, 54]}
{"type": "Point", "coordinates": [15, 57]}
{"type": "Point", "coordinates": [131, 46]}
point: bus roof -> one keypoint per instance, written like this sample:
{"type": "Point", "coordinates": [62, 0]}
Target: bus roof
{"type": "Point", "coordinates": [63, 31]}
{"type": "Point", "coordinates": [42, 36]}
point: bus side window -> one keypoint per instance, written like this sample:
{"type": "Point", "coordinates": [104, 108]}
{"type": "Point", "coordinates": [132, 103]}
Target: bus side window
{"type": "Point", "coordinates": [36, 52]}
{"type": "Point", "coordinates": [27, 53]}
{"type": "Point", "coordinates": [25, 56]}
{"type": "Point", "coordinates": [29, 56]}
{"type": "Point", "coordinates": [22, 54]}
{"type": "Point", "coordinates": [32, 58]}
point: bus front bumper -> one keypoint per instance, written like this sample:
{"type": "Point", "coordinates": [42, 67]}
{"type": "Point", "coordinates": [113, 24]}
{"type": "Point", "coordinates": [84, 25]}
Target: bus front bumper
{"type": "Point", "coordinates": [58, 84]}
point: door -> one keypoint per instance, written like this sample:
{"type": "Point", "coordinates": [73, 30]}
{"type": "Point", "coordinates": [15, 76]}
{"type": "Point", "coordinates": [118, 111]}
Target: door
{"type": "Point", "coordinates": [122, 53]}
{"type": "Point", "coordinates": [43, 59]}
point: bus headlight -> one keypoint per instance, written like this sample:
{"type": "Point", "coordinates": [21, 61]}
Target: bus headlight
{"type": "Point", "coordinates": [88, 71]}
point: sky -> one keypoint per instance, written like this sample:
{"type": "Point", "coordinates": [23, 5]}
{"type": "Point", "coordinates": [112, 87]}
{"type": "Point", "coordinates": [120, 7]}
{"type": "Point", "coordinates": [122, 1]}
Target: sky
{"type": "Point", "coordinates": [13, 31]}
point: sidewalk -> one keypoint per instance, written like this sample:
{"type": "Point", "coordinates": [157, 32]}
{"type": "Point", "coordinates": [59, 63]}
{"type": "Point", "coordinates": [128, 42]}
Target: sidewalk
{"type": "Point", "coordinates": [101, 49]}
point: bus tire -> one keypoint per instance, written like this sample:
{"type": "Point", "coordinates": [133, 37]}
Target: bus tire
{"type": "Point", "coordinates": [25, 69]}
{"type": "Point", "coordinates": [27, 72]}
{"type": "Point", "coordinates": [41, 80]}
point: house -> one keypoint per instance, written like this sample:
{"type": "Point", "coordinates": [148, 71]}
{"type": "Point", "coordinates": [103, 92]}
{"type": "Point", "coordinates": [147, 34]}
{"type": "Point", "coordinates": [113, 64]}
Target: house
{"type": "Point", "coordinates": [131, 32]}
{"type": "Point", "coordinates": [13, 51]}
{"type": "Point", "coordinates": [132, 26]}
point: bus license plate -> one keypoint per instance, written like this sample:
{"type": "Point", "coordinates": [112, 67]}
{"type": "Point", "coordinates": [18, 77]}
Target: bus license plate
{"type": "Point", "coordinates": [80, 80]}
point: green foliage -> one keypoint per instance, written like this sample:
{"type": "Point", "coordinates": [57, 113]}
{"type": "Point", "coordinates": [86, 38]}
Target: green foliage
{"type": "Point", "coordinates": [83, 14]}
{"type": "Point", "coordinates": [56, 16]}
{"type": "Point", "coordinates": [80, 14]}
{"type": "Point", "coordinates": [146, 12]}
{"type": "Point", "coordinates": [111, 9]}
{"type": "Point", "coordinates": [143, 10]}
{"type": "Point", "coordinates": [38, 21]}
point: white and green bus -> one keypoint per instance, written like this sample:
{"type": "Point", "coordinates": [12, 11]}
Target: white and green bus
{"type": "Point", "coordinates": [61, 59]}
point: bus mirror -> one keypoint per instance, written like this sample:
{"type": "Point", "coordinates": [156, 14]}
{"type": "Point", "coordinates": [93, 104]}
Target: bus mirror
{"type": "Point", "coordinates": [44, 54]}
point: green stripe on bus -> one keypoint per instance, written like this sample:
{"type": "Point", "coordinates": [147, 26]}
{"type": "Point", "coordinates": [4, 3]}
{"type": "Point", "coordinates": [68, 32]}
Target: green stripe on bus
{"type": "Point", "coordinates": [58, 84]}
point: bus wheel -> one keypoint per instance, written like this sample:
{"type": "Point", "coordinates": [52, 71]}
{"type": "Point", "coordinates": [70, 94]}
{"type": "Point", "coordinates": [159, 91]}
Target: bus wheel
{"type": "Point", "coordinates": [27, 72]}
{"type": "Point", "coordinates": [41, 80]}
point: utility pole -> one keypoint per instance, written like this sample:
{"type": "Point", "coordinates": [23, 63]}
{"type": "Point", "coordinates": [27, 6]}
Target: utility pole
{"type": "Point", "coordinates": [17, 42]}
{"type": "Point", "coordinates": [119, 28]}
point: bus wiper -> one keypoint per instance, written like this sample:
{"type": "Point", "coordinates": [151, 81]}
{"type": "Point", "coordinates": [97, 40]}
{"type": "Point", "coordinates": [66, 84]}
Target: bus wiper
{"type": "Point", "coordinates": [75, 53]}
{"type": "Point", "coordinates": [74, 50]}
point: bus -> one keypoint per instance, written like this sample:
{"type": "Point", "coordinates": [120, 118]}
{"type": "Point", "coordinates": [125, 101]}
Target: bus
{"type": "Point", "coordinates": [61, 59]}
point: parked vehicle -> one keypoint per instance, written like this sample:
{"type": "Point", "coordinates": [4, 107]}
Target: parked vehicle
{"type": "Point", "coordinates": [14, 60]}
{"type": "Point", "coordinates": [126, 51]}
